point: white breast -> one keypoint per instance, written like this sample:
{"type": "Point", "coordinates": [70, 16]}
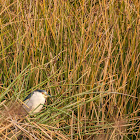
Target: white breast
{"type": "Point", "coordinates": [35, 102]}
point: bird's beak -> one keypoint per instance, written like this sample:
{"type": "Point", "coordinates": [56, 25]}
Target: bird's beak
{"type": "Point", "coordinates": [47, 95]}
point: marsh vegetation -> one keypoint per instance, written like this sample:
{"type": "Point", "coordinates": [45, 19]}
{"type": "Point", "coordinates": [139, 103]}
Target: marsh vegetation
{"type": "Point", "coordinates": [86, 54]}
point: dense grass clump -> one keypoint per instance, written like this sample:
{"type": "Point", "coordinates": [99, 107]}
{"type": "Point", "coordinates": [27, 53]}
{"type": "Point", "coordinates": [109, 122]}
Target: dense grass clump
{"type": "Point", "coordinates": [86, 54]}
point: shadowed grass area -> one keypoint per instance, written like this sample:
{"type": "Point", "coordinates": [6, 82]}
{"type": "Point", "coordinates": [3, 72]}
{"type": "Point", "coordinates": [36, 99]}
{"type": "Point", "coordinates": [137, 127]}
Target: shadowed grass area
{"type": "Point", "coordinates": [86, 54]}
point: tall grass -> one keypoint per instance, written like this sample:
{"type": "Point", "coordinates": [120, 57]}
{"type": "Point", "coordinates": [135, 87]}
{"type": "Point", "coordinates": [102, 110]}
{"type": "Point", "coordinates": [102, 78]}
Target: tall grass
{"type": "Point", "coordinates": [85, 54]}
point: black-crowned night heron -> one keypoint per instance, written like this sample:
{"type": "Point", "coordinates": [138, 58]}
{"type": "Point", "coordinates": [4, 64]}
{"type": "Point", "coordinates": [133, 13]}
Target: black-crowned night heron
{"type": "Point", "coordinates": [35, 101]}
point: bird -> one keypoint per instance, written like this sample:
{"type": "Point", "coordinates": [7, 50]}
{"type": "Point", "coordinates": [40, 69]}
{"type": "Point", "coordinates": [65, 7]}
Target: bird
{"type": "Point", "coordinates": [35, 101]}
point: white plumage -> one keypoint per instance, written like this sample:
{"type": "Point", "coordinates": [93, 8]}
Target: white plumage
{"type": "Point", "coordinates": [35, 101]}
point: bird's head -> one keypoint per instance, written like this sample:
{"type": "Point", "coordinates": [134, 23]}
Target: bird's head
{"type": "Point", "coordinates": [44, 93]}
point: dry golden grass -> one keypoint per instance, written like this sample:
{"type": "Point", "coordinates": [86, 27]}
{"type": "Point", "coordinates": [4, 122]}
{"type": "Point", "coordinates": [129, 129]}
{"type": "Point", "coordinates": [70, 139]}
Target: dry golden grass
{"type": "Point", "coordinates": [86, 54]}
